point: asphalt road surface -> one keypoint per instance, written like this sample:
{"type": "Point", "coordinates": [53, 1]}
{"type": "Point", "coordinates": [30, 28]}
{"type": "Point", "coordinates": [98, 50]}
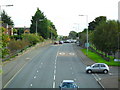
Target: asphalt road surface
{"type": "Point", "coordinates": [50, 66]}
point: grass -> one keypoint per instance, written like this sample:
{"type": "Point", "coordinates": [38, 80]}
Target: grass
{"type": "Point", "coordinates": [0, 71]}
{"type": "Point", "coordinates": [98, 59]}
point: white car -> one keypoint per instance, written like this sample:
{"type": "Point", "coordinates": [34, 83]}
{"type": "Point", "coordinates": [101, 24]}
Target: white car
{"type": "Point", "coordinates": [98, 67]}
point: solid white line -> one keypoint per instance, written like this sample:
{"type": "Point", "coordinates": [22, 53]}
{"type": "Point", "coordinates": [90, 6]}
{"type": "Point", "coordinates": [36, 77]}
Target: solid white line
{"type": "Point", "coordinates": [14, 76]}
{"type": "Point", "coordinates": [95, 77]}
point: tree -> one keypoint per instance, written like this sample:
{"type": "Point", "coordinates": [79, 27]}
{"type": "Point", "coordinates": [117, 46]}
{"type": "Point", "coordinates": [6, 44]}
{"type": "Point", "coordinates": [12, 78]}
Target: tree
{"type": "Point", "coordinates": [96, 22]}
{"type": "Point", "coordinates": [41, 21]}
{"type": "Point", "coordinates": [6, 19]}
{"type": "Point", "coordinates": [72, 35]}
{"type": "Point", "coordinates": [105, 36]}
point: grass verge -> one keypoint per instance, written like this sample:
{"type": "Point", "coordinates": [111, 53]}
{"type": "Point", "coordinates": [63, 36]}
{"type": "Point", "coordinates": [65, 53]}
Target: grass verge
{"type": "Point", "coordinates": [98, 59]}
{"type": "Point", "coordinates": [0, 71]}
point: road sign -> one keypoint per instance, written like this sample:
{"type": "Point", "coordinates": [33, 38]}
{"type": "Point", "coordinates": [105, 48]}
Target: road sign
{"type": "Point", "coordinates": [87, 44]}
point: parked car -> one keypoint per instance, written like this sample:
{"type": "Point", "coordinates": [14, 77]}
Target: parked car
{"type": "Point", "coordinates": [61, 42]}
{"type": "Point", "coordinates": [68, 84]}
{"type": "Point", "coordinates": [56, 42]}
{"type": "Point", "coordinates": [98, 67]}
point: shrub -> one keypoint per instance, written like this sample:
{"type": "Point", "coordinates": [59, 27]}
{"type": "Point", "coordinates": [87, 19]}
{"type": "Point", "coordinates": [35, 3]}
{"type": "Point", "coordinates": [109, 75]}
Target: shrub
{"type": "Point", "coordinates": [32, 38]}
{"type": "Point", "coordinates": [17, 45]}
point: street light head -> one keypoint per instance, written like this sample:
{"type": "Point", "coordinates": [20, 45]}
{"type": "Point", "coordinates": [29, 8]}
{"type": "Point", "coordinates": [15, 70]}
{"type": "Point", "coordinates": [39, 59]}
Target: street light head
{"type": "Point", "coordinates": [81, 15]}
{"type": "Point", "coordinates": [8, 5]}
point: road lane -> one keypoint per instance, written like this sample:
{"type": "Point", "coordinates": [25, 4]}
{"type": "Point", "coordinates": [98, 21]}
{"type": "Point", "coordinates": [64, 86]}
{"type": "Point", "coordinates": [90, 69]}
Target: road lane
{"type": "Point", "coordinates": [38, 73]}
{"type": "Point", "coordinates": [69, 66]}
{"type": "Point", "coordinates": [50, 67]}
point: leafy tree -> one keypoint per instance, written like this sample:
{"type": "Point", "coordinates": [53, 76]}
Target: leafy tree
{"type": "Point", "coordinates": [41, 22]}
{"type": "Point", "coordinates": [6, 19]}
{"type": "Point", "coordinates": [96, 22]}
{"type": "Point", "coordinates": [105, 36]}
{"type": "Point", "coordinates": [45, 27]}
{"type": "Point", "coordinates": [52, 30]}
{"type": "Point", "coordinates": [72, 34]}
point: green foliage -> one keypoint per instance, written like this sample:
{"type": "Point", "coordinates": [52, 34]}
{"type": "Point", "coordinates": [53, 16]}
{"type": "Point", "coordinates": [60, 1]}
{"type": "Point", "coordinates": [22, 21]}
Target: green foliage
{"type": "Point", "coordinates": [4, 42]}
{"type": "Point", "coordinates": [6, 19]}
{"type": "Point", "coordinates": [73, 35]}
{"type": "Point", "coordinates": [32, 38]}
{"type": "Point", "coordinates": [98, 59]}
{"type": "Point", "coordinates": [45, 27]}
{"type": "Point", "coordinates": [105, 36]}
{"type": "Point", "coordinates": [96, 22]}
{"type": "Point", "coordinates": [16, 37]}
{"type": "Point", "coordinates": [17, 45]}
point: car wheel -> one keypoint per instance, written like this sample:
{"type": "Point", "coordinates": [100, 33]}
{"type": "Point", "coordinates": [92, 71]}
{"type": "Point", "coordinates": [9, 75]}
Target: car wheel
{"type": "Point", "coordinates": [105, 71]}
{"type": "Point", "coordinates": [89, 71]}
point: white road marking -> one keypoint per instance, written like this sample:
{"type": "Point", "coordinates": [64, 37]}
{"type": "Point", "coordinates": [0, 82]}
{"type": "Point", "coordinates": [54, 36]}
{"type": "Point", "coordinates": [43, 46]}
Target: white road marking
{"type": "Point", "coordinates": [37, 71]}
{"type": "Point", "coordinates": [72, 73]}
{"type": "Point", "coordinates": [75, 79]}
{"type": "Point", "coordinates": [31, 85]}
{"type": "Point", "coordinates": [41, 63]}
{"type": "Point", "coordinates": [34, 76]}
{"type": "Point", "coordinates": [27, 58]}
{"type": "Point", "coordinates": [54, 72]}
{"type": "Point", "coordinates": [54, 77]}
{"type": "Point", "coordinates": [110, 74]}
{"type": "Point", "coordinates": [55, 67]}
{"type": "Point", "coordinates": [53, 84]}
{"type": "Point", "coordinates": [71, 68]}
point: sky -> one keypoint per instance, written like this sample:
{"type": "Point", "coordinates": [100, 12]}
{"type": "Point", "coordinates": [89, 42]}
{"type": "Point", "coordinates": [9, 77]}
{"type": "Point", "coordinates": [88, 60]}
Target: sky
{"type": "Point", "coordinates": [63, 13]}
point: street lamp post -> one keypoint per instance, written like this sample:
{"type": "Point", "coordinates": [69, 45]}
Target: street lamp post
{"type": "Point", "coordinates": [37, 24]}
{"type": "Point", "coordinates": [0, 13]}
{"type": "Point", "coordinates": [87, 45]}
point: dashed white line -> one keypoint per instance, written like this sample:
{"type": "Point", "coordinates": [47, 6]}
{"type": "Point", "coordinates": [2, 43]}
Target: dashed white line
{"type": "Point", "coordinates": [54, 77]}
{"type": "Point", "coordinates": [53, 84]}
{"type": "Point", "coordinates": [55, 67]}
{"type": "Point", "coordinates": [75, 79]}
{"type": "Point", "coordinates": [54, 72]}
{"type": "Point", "coordinates": [34, 76]}
{"type": "Point", "coordinates": [37, 71]}
{"type": "Point", "coordinates": [31, 85]}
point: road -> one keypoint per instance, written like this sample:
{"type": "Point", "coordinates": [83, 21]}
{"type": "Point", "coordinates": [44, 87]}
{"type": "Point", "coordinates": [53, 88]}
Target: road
{"type": "Point", "coordinates": [48, 67]}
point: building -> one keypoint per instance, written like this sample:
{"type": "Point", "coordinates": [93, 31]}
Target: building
{"type": "Point", "coordinates": [9, 29]}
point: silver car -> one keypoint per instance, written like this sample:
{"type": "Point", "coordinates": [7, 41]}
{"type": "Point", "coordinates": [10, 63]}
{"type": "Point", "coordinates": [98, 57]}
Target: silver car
{"type": "Point", "coordinates": [98, 67]}
{"type": "Point", "coordinates": [68, 84]}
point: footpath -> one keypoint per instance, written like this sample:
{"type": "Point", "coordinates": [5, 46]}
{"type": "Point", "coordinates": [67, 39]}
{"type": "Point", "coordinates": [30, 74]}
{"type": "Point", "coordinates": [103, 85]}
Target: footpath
{"type": "Point", "coordinates": [107, 82]}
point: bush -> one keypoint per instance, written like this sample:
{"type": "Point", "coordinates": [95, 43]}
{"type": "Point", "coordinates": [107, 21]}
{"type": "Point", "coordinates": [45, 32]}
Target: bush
{"type": "Point", "coordinates": [32, 38]}
{"type": "Point", "coordinates": [16, 37]}
{"type": "Point", "coordinates": [17, 45]}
